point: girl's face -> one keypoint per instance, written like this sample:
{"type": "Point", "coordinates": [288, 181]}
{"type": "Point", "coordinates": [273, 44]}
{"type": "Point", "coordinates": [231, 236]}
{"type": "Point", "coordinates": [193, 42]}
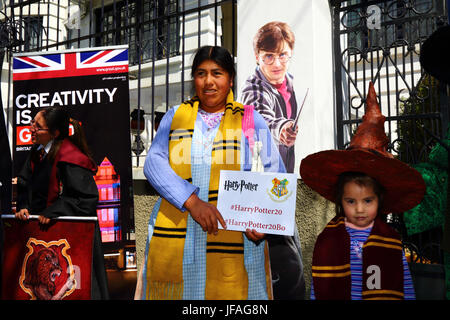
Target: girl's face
{"type": "Point", "coordinates": [212, 85]}
{"type": "Point", "coordinates": [360, 205]}
{"type": "Point", "coordinates": [274, 65]}
{"type": "Point", "coordinates": [40, 134]}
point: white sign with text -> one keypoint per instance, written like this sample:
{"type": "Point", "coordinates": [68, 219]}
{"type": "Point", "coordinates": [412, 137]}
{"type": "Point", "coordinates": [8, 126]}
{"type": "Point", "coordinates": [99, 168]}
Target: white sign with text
{"type": "Point", "coordinates": [263, 201]}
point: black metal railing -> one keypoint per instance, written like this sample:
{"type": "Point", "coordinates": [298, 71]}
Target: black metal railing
{"type": "Point", "coordinates": [389, 57]}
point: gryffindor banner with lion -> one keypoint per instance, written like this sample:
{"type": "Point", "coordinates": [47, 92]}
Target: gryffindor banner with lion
{"type": "Point", "coordinates": [47, 264]}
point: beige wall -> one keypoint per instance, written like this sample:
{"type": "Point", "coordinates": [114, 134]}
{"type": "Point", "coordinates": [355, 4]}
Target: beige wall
{"type": "Point", "coordinates": [143, 206]}
{"type": "Point", "coordinates": [312, 214]}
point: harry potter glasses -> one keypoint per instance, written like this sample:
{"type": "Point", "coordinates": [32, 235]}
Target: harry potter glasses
{"type": "Point", "coordinates": [269, 58]}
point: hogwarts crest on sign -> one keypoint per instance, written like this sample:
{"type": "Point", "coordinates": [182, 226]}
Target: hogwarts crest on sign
{"type": "Point", "coordinates": [279, 190]}
{"type": "Point", "coordinates": [47, 270]}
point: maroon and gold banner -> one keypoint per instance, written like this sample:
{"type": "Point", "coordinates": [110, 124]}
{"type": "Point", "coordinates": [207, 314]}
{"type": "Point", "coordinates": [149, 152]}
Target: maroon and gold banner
{"type": "Point", "coordinates": [51, 262]}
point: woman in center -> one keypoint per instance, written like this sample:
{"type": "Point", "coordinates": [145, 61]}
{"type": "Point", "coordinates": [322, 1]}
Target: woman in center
{"type": "Point", "coordinates": [187, 255]}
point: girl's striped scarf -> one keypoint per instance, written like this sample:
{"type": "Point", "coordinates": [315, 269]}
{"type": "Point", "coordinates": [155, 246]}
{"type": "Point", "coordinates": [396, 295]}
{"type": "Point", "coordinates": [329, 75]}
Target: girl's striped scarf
{"type": "Point", "coordinates": [382, 263]}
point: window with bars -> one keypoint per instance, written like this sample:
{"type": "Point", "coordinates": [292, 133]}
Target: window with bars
{"type": "Point", "coordinates": [32, 32]}
{"type": "Point", "coordinates": [151, 28]}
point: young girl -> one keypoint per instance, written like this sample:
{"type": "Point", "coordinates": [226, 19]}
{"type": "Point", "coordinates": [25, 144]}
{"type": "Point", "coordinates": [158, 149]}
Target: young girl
{"type": "Point", "coordinates": [360, 198]}
{"type": "Point", "coordinates": [57, 180]}
{"type": "Point", "coordinates": [358, 256]}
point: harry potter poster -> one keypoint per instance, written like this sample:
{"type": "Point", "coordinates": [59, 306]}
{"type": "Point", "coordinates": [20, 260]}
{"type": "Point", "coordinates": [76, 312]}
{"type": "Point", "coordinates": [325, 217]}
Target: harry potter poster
{"type": "Point", "coordinates": [285, 70]}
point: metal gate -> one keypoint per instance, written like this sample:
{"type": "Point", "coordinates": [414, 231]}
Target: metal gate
{"type": "Point", "coordinates": [380, 41]}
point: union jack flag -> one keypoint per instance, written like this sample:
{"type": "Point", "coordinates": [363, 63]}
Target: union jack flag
{"type": "Point", "coordinates": [70, 64]}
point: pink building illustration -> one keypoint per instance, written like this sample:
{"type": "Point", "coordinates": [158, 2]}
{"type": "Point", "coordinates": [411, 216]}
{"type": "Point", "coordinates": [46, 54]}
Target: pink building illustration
{"type": "Point", "coordinates": [108, 208]}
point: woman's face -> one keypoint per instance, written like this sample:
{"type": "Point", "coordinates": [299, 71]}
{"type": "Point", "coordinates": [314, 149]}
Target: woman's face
{"type": "Point", "coordinates": [40, 134]}
{"type": "Point", "coordinates": [274, 65]}
{"type": "Point", "coordinates": [212, 85]}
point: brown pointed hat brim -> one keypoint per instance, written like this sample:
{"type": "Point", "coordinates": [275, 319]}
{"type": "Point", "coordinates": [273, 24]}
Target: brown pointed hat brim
{"type": "Point", "coordinates": [404, 186]}
{"type": "Point", "coordinates": [367, 153]}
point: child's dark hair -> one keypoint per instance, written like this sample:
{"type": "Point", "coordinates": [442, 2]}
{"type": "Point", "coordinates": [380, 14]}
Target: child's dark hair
{"type": "Point", "coordinates": [360, 179]}
{"type": "Point", "coordinates": [219, 55]}
{"type": "Point", "coordinates": [57, 118]}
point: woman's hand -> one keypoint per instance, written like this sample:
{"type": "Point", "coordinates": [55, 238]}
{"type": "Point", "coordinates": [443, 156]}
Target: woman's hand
{"type": "Point", "coordinates": [205, 214]}
{"type": "Point", "coordinates": [254, 235]}
{"type": "Point", "coordinates": [288, 134]}
{"type": "Point", "coordinates": [22, 214]}
{"type": "Point", "coordinates": [43, 220]}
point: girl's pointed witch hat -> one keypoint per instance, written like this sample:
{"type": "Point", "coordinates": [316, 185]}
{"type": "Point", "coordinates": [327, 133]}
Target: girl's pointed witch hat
{"type": "Point", "coordinates": [367, 153]}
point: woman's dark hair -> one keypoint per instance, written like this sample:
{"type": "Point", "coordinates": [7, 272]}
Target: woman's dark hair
{"type": "Point", "coordinates": [58, 119]}
{"type": "Point", "coordinates": [270, 37]}
{"type": "Point", "coordinates": [360, 179]}
{"type": "Point", "coordinates": [219, 55]}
